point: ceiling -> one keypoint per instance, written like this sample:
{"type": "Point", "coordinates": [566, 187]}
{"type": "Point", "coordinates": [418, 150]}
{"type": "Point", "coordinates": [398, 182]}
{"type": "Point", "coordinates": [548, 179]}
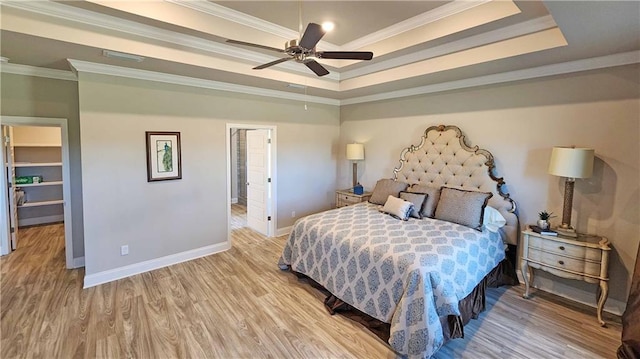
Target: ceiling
{"type": "Point", "coordinates": [418, 46]}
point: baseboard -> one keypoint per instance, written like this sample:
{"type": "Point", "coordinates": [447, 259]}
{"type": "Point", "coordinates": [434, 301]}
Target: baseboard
{"type": "Point", "coordinates": [40, 220]}
{"type": "Point", "coordinates": [612, 306]}
{"type": "Point", "coordinates": [110, 275]}
{"type": "Point", "coordinates": [234, 200]}
{"type": "Point", "coordinates": [78, 262]}
{"type": "Point", "coordinates": [283, 231]}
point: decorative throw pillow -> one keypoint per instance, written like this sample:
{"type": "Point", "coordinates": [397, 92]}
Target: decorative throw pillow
{"type": "Point", "coordinates": [492, 220]}
{"type": "Point", "coordinates": [433, 194]}
{"type": "Point", "coordinates": [418, 200]}
{"type": "Point", "coordinates": [397, 207]}
{"type": "Point", "coordinates": [385, 188]}
{"type": "Point", "coordinates": [462, 207]}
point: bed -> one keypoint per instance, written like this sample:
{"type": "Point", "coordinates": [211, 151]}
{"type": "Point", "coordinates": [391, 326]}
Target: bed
{"type": "Point", "coordinates": [415, 259]}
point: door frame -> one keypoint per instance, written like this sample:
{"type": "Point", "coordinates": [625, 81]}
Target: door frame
{"type": "Point", "coordinates": [66, 178]}
{"type": "Point", "coordinates": [272, 205]}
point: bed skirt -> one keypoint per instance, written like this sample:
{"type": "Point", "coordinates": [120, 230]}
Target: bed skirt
{"type": "Point", "coordinates": [452, 326]}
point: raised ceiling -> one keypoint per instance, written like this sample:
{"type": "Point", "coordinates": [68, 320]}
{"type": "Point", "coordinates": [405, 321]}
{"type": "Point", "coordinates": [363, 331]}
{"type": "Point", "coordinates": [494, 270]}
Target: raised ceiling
{"type": "Point", "coordinates": [418, 46]}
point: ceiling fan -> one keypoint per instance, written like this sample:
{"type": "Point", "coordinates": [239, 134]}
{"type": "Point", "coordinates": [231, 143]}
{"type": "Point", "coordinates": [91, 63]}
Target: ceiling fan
{"type": "Point", "coordinates": [305, 49]}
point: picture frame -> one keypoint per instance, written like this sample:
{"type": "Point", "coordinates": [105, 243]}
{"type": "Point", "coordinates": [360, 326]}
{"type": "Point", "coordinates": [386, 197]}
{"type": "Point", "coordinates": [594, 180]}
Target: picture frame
{"type": "Point", "coordinates": [164, 154]}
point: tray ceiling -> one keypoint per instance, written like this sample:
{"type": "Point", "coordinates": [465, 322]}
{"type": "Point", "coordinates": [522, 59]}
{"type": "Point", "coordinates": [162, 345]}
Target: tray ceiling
{"type": "Point", "coordinates": [416, 44]}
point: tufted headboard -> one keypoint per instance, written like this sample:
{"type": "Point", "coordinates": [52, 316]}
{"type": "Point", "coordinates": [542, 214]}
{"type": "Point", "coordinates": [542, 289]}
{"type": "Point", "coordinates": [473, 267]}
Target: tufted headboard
{"type": "Point", "coordinates": [444, 159]}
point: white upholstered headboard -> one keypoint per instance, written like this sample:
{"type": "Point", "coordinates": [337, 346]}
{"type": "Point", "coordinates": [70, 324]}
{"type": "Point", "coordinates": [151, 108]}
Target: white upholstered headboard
{"type": "Point", "coordinates": [444, 159]}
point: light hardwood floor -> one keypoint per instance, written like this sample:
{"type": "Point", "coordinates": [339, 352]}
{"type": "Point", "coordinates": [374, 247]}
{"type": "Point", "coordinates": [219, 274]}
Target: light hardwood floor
{"type": "Point", "coordinates": [238, 304]}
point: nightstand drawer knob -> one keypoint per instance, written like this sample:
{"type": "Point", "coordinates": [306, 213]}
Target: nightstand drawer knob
{"type": "Point", "coordinates": [561, 262]}
{"type": "Point", "coordinates": [561, 248]}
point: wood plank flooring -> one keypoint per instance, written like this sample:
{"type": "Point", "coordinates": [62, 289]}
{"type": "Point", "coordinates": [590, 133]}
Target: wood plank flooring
{"type": "Point", "coordinates": [238, 304]}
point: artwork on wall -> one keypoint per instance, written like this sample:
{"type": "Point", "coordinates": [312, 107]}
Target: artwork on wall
{"type": "Point", "coordinates": [163, 156]}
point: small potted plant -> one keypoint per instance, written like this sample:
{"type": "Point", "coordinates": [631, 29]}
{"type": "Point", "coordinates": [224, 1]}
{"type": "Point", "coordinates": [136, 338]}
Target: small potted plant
{"type": "Point", "coordinates": [544, 216]}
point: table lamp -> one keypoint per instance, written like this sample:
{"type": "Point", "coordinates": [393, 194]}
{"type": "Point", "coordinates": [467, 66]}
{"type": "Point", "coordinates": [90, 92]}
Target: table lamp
{"type": "Point", "coordinates": [355, 152]}
{"type": "Point", "coordinates": [571, 163]}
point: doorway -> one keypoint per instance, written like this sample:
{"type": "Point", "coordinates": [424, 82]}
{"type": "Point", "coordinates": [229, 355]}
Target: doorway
{"type": "Point", "coordinates": [251, 178]}
{"type": "Point", "coordinates": [34, 188]}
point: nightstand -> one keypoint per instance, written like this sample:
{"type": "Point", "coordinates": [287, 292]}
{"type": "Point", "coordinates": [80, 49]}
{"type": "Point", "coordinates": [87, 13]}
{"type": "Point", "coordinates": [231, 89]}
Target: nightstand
{"type": "Point", "coordinates": [346, 197]}
{"type": "Point", "coordinates": [583, 258]}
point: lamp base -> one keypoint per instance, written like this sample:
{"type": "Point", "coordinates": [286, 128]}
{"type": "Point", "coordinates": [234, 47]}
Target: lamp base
{"type": "Point", "coordinates": [567, 232]}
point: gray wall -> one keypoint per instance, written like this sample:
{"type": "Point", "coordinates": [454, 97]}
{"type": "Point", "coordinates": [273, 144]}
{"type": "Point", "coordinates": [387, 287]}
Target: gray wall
{"type": "Point", "coordinates": [44, 97]}
{"type": "Point", "coordinates": [520, 123]}
{"type": "Point", "coordinates": [169, 217]}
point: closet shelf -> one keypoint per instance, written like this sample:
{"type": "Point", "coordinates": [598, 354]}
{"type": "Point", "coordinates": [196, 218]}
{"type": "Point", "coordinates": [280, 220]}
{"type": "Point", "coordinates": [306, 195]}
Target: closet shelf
{"type": "Point", "coordinates": [37, 164]}
{"type": "Point", "coordinates": [37, 145]}
{"type": "Point", "coordinates": [42, 203]}
{"type": "Point", "coordinates": [50, 183]}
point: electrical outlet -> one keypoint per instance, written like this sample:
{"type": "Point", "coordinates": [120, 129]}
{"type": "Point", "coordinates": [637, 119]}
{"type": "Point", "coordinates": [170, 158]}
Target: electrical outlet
{"type": "Point", "coordinates": [293, 214]}
{"type": "Point", "coordinates": [124, 250]}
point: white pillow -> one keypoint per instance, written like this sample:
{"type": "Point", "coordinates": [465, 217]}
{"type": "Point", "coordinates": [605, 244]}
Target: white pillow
{"type": "Point", "coordinates": [492, 219]}
{"type": "Point", "coordinates": [397, 207]}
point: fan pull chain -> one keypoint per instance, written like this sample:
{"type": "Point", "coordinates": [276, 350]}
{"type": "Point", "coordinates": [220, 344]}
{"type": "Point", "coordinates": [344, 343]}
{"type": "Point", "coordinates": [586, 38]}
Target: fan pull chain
{"type": "Point", "coordinates": [305, 95]}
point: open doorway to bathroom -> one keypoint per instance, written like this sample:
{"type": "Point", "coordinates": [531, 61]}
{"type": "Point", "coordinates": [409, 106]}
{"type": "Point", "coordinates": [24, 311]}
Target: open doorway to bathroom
{"type": "Point", "coordinates": [238, 161]}
{"type": "Point", "coordinates": [251, 178]}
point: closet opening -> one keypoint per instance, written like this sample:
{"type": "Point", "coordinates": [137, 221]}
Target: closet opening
{"type": "Point", "coordinates": [35, 187]}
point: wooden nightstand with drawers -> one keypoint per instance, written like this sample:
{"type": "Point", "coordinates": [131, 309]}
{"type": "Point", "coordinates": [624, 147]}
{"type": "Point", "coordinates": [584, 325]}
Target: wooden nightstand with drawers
{"type": "Point", "coordinates": [346, 197]}
{"type": "Point", "coordinates": [583, 258]}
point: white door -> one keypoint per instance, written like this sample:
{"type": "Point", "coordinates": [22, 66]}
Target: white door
{"type": "Point", "coordinates": [258, 180]}
{"type": "Point", "coordinates": [10, 173]}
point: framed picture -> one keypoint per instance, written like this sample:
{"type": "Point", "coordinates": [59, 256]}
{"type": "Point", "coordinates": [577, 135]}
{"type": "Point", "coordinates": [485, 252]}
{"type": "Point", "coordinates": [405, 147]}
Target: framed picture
{"type": "Point", "coordinates": [163, 156]}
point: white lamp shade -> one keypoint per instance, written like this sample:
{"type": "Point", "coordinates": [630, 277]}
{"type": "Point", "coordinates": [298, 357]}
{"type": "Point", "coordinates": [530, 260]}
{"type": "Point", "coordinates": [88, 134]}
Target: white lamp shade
{"type": "Point", "coordinates": [355, 151]}
{"type": "Point", "coordinates": [571, 162]}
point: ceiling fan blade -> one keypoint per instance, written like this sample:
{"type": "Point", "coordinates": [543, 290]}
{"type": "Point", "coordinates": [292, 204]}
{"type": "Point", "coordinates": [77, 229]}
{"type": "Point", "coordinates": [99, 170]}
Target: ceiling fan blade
{"type": "Point", "coordinates": [345, 55]}
{"type": "Point", "coordinates": [311, 36]}
{"type": "Point", "coordinates": [264, 66]}
{"type": "Point", "coordinates": [316, 67]}
{"type": "Point", "coordinates": [236, 42]}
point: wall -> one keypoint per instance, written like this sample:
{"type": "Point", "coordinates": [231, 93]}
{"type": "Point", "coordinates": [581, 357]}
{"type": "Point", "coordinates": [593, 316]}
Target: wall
{"type": "Point", "coordinates": [44, 97]}
{"type": "Point", "coordinates": [170, 217]}
{"type": "Point", "coordinates": [37, 136]}
{"type": "Point", "coordinates": [520, 123]}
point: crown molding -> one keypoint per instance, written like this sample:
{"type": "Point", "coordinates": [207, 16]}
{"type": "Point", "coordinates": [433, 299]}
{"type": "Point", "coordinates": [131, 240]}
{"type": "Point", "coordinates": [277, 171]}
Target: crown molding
{"type": "Point", "coordinates": [102, 69]}
{"type": "Point", "coordinates": [594, 63]}
{"type": "Point", "coordinates": [26, 70]}
{"type": "Point", "coordinates": [111, 23]}
{"type": "Point", "coordinates": [237, 17]}
{"type": "Point", "coordinates": [425, 18]}
{"type": "Point", "coordinates": [241, 18]}
{"type": "Point", "coordinates": [505, 33]}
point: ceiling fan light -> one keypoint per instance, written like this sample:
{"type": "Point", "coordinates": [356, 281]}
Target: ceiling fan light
{"type": "Point", "coordinates": [327, 26]}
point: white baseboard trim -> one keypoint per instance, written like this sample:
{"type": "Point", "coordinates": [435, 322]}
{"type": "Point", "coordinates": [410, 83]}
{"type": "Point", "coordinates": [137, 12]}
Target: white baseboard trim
{"type": "Point", "coordinates": [234, 200]}
{"type": "Point", "coordinates": [110, 275]}
{"type": "Point", "coordinates": [612, 306]}
{"type": "Point", "coordinates": [283, 231]}
{"type": "Point", "coordinates": [40, 220]}
{"type": "Point", "coordinates": [78, 262]}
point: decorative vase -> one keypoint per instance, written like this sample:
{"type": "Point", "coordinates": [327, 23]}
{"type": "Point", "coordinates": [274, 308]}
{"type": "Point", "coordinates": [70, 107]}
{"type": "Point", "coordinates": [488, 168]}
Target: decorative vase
{"type": "Point", "coordinates": [543, 224]}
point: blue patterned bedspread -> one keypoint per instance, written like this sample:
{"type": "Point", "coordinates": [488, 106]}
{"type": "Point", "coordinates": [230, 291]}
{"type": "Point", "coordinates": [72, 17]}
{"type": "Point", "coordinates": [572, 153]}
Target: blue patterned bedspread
{"type": "Point", "coordinates": [406, 273]}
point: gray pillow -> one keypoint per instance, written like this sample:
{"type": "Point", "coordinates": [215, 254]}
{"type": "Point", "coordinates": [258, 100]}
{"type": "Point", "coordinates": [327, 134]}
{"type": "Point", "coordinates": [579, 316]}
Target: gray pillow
{"type": "Point", "coordinates": [385, 188]}
{"type": "Point", "coordinates": [433, 194]}
{"type": "Point", "coordinates": [462, 207]}
{"type": "Point", "coordinates": [397, 208]}
{"type": "Point", "coordinates": [418, 200]}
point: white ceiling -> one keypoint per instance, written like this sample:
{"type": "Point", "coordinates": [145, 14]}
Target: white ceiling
{"type": "Point", "coordinates": [418, 46]}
